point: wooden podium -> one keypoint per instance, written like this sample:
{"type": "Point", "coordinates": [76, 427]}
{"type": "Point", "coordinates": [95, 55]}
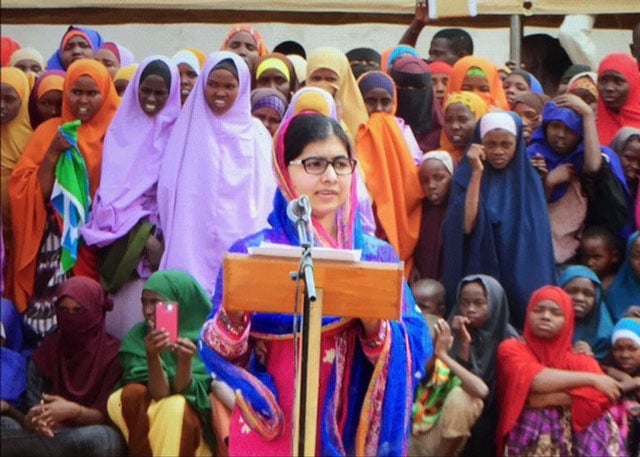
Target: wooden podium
{"type": "Point", "coordinates": [365, 290]}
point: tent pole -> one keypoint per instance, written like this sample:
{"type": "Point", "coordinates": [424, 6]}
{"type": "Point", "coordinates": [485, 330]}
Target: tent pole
{"type": "Point", "coordinates": [515, 38]}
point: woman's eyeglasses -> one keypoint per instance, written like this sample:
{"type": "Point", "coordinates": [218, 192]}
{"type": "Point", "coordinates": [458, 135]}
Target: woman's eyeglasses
{"type": "Point", "coordinates": [318, 165]}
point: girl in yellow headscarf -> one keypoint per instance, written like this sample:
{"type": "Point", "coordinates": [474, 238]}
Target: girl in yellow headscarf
{"type": "Point", "coordinates": [462, 110]}
{"type": "Point", "coordinates": [14, 135]}
{"type": "Point", "coordinates": [329, 68]}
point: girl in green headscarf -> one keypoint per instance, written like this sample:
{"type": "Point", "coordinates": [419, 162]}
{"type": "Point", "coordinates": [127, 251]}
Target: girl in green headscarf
{"type": "Point", "coordinates": [165, 382]}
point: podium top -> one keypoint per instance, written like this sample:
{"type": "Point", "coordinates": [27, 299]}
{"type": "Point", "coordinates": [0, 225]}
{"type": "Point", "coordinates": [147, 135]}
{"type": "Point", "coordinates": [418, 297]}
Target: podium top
{"type": "Point", "coordinates": [366, 290]}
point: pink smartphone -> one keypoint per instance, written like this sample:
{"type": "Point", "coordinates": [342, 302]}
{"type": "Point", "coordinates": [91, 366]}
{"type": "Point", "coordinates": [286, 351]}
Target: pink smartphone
{"type": "Point", "coordinates": [167, 318]}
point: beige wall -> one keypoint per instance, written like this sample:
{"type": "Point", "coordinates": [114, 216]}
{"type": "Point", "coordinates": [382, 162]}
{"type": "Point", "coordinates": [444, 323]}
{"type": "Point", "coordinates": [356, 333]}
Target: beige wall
{"type": "Point", "coordinates": [147, 39]}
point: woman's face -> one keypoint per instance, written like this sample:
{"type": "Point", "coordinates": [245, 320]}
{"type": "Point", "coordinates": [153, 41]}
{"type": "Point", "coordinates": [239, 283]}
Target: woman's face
{"type": "Point", "coordinates": [9, 103]}
{"type": "Point", "coordinates": [269, 117]}
{"type": "Point", "coordinates": [477, 84]}
{"type": "Point", "coordinates": [109, 60]}
{"type": "Point", "coordinates": [75, 49]}
{"type": "Point", "coordinates": [85, 99]}
{"type": "Point", "coordinates": [630, 159]}
{"type": "Point", "coordinates": [499, 148]}
{"type": "Point", "coordinates": [459, 123]}
{"type": "Point", "coordinates": [378, 101]}
{"type": "Point", "coordinates": [531, 119]}
{"type": "Point", "coordinates": [274, 79]}
{"type": "Point", "coordinates": [243, 44]}
{"type": "Point", "coordinates": [149, 301]}
{"type": "Point", "coordinates": [153, 94]}
{"type": "Point", "coordinates": [561, 138]}
{"type": "Point", "coordinates": [323, 74]}
{"type": "Point", "coordinates": [626, 353]}
{"type": "Point", "coordinates": [546, 319]}
{"type": "Point", "coordinates": [583, 294]}
{"type": "Point", "coordinates": [515, 85]}
{"type": "Point", "coordinates": [613, 89]}
{"type": "Point", "coordinates": [69, 306]}
{"type": "Point", "coordinates": [328, 191]}
{"type": "Point", "coordinates": [29, 66]}
{"type": "Point", "coordinates": [474, 304]}
{"type": "Point", "coordinates": [121, 86]}
{"type": "Point", "coordinates": [49, 105]}
{"type": "Point", "coordinates": [435, 180]}
{"type": "Point", "coordinates": [439, 83]}
{"type": "Point", "coordinates": [188, 78]}
{"type": "Point", "coordinates": [221, 91]}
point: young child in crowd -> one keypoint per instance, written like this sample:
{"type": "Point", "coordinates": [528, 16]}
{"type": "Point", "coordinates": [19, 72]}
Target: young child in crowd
{"type": "Point", "coordinates": [447, 403]}
{"type": "Point", "coordinates": [625, 368]}
{"type": "Point", "coordinates": [480, 321]}
{"type": "Point", "coordinates": [593, 325]}
{"type": "Point", "coordinates": [435, 173]}
{"type": "Point", "coordinates": [552, 400]}
{"type": "Point", "coordinates": [430, 298]}
{"type": "Point", "coordinates": [625, 290]}
{"type": "Point", "coordinates": [599, 250]}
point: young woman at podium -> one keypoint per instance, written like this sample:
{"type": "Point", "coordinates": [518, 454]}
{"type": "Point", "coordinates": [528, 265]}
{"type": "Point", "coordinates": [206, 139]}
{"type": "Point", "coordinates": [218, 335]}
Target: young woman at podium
{"type": "Point", "coordinates": [368, 368]}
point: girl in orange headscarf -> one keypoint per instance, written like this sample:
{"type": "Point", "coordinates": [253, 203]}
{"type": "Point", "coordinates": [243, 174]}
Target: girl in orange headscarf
{"type": "Point", "coordinates": [390, 172]}
{"type": "Point", "coordinates": [89, 96]}
{"type": "Point", "coordinates": [478, 75]}
{"type": "Point", "coordinates": [14, 135]}
{"type": "Point", "coordinates": [247, 42]}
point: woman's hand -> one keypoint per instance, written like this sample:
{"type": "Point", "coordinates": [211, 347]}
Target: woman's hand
{"type": "Point", "coordinates": [459, 325]}
{"type": "Point", "coordinates": [573, 102]}
{"type": "Point", "coordinates": [476, 156]}
{"type": "Point", "coordinates": [58, 145]}
{"type": "Point", "coordinates": [153, 249]}
{"type": "Point", "coordinates": [444, 338]}
{"type": "Point", "coordinates": [184, 348]}
{"type": "Point", "coordinates": [560, 175]}
{"type": "Point", "coordinates": [607, 385]}
{"type": "Point", "coordinates": [156, 341]}
{"type": "Point", "coordinates": [540, 164]}
{"type": "Point", "coordinates": [582, 347]}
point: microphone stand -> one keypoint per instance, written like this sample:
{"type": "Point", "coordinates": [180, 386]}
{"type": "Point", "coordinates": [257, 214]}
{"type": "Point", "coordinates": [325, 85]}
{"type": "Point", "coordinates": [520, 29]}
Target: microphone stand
{"type": "Point", "coordinates": [305, 273]}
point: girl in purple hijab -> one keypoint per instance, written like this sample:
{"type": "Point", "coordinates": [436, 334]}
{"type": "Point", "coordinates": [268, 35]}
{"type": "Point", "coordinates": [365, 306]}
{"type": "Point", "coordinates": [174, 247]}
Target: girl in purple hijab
{"type": "Point", "coordinates": [124, 216]}
{"type": "Point", "coordinates": [216, 182]}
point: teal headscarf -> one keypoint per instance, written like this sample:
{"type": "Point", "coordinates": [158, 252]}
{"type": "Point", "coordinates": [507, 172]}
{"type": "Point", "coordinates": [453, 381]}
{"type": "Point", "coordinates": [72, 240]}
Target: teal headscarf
{"type": "Point", "coordinates": [595, 328]}
{"type": "Point", "coordinates": [193, 308]}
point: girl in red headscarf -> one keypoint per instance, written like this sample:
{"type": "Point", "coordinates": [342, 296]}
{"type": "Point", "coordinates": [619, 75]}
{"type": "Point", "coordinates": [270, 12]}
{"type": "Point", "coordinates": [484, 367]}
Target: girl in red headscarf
{"type": "Point", "coordinates": [553, 401]}
{"type": "Point", "coordinates": [69, 380]}
{"type": "Point", "coordinates": [619, 95]}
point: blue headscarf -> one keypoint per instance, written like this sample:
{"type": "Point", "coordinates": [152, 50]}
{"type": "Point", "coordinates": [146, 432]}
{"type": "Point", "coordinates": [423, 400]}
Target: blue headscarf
{"type": "Point", "coordinates": [512, 237]}
{"type": "Point", "coordinates": [595, 328]}
{"type": "Point", "coordinates": [540, 145]}
{"type": "Point", "coordinates": [95, 40]}
{"type": "Point", "coordinates": [534, 85]}
{"type": "Point", "coordinates": [625, 290]}
{"type": "Point", "coordinates": [401, 50]}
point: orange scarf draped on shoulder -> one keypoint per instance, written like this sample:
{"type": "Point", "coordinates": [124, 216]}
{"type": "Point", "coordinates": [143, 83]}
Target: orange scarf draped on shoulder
{"type": "Point", "coordinates": [391, 176]}
{"type": "Point", "coordinates": [28, 207]}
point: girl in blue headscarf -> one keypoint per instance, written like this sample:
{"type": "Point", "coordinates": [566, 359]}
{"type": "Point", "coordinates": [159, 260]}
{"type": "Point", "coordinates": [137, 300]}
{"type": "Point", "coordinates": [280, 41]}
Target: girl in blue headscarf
{"type": "Point", "coordinates": [497, 220]}
{"type": "Point", "coordinates": [575, 168]}
{"type": "Point", "coordinates": [625, 290]}
{"type": "Point", "coordinates": [77, 43]}
{"type": "Point", "coordinates": [593, 323]}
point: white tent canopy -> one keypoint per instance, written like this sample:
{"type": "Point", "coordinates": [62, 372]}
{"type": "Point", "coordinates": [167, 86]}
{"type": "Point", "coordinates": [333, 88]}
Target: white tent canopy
{"type": "Point", "coordinates": [445, 8]}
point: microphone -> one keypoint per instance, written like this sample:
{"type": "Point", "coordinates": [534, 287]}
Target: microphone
{"type": "Point", "coordinates": [299, 209]}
